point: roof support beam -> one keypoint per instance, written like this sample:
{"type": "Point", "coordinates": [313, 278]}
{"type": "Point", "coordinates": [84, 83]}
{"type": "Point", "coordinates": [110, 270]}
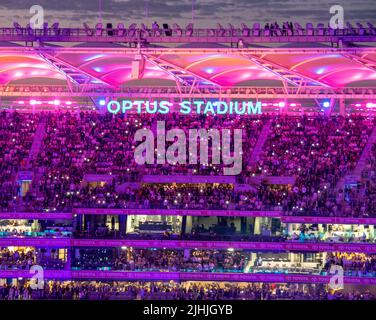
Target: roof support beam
{"type": "Point", "coordinates": [161, 62]}
{"type": "Point", "coordinates": [286, 72]}
{"type": "Point", "coordinates": [57, 61]}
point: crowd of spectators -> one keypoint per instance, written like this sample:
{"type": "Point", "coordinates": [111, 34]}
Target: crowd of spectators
{"type": "Point", "coordinates": [23, 259]}
{"type": "Point", "coordinates": [131, 259]}
{"type": "Point", "coordinates": [16, 136]}
{"type": "Point", "coordinates": [317, 151]}
{"type": "Point", "coordinates": [175, 291]}
{"type": "Point", "coordinates": [353, 263]}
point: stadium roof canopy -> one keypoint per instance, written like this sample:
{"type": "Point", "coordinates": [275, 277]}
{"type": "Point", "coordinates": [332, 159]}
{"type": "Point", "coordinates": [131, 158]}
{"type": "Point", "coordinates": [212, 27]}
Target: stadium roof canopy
{"type": "Point", "coordinates": [217, 67]}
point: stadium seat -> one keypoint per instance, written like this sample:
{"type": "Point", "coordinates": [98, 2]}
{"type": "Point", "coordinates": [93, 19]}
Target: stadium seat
{"type": "Point", "coordinates": [189, 30]}
{"type": "Point", "coordinates": [256, 30]}
{"type": "Point", "coordinates": [332, 32]}
{"type": "Point", "coordinates": [371, 28]}
{"type": "Point", "coordinates": [220, 30]}
{"type": "Point", "coordinates": [232, 29]}
{"type": "Point", "coordinates": [88, 30]}
{"type": "Point", "coordinates": [361, 29]}
{"type": "Point", "coordinates": [132, 30]}
{"type": "Point", "coordinates": [18, 28]}
{"type": "Point", "coordinates": [144, 30]}
{"type": "Point", "coordinates": [309, 29]}
{"type": "Point", "coordinates": [178, 30]}
{"type": "Point", "coordinates": [320, 29]}
{"type": "Point", "coordinates": [298, 28]}
{"type": "Point", "coordinates": [99, 29]}
{"type": "Point", "coordinates": [55, 28]}
{"type": "Point", "coordinates": [245, 30]}
{"type": "Point", "coordinates": [350, 29]}
{"type": "Point", "coordinates": [120, 30]}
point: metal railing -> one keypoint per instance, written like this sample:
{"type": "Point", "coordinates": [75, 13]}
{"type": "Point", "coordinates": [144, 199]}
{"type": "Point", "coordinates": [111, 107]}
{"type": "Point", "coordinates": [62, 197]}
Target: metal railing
{"type": "Point", "coordinates": [189, 34]}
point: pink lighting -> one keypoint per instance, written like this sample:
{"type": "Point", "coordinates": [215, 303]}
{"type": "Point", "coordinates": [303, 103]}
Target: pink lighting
{"type": "Point", "coordinates": [358, 105]}
{"type": "Point", "coordinates": [69, 103]}
{"type": "Point", "coordinates": [292, 104]}
{"type": "Point", "coordinates": [281, 104]}
{"type": "Point", "coordinates": [33, 102]}
{"type": "Point", "coordinates": [371, 105]}
{"type": "Point", "coordinates": [21, 102]}
{"type": "Point", "coordinates": [56, 102]}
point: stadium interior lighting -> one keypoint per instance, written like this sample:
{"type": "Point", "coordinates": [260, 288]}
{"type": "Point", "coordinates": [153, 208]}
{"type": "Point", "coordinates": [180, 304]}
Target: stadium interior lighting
{"type": "Point", "coordinates": [33, 102]}
{"type": "Point", "coordinates": [281, 104]}
{"type": "Point", "coordinates": [56, 102]}
{"type": "Point", "coordinates": [326, 104]}
{"type": "Point", "coordinates": [102, 102]}
{"type": "Point", "coordinates": [371, 105]}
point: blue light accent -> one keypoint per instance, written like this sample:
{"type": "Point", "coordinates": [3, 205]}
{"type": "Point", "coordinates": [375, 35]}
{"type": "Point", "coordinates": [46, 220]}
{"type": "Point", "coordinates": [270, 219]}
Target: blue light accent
{"type": "Point", "coordinates": [321, 70]}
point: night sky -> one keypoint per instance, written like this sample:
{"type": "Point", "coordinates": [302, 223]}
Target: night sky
{"type": "Point", "coordinates": [72, 13]}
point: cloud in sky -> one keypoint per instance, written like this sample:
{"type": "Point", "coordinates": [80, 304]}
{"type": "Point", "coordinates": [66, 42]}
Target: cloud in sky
{"type": "Point", "coordinates": [72, 13]}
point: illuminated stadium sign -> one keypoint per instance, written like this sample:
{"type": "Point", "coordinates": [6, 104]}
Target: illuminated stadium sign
{"type": "Point", "coordinates": [186, 107]}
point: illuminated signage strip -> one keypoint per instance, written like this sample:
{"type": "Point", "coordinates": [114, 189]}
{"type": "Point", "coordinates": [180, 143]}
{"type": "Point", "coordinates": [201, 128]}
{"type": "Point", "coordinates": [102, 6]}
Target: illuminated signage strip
{"type": "Point", "coordinates": [183, 276]}
{"type": "Point", "coordinates": [184, 244]}
{"type": "Point", "coordinates": [185, 212]}
{"type": "Point", "coordinates": [36, 215]}
{"type": "Point", "coordinates": [257, 246]}
{"type": "Point", "coordinates": [178, 212]}
{"type": "Point", "coordinates": [329, 220]}
{"type": "Point", "coordinates": [35, 242]}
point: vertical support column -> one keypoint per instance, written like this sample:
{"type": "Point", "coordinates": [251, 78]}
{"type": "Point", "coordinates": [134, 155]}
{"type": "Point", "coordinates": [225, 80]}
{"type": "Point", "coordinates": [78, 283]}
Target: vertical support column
{"type": "Point", "coordinates": [257, 228]}
{"type": "Point", "coordinates": [122, 224]}
{"type": "Point", "coordinates": [243, 225]}
{"type": "Point", "coordinates": [289, 228]}
{"type": "Point", "coordinates": [183, 225]}
{"type": "Point", "coordinates": [68, 265]}
{"type": "Point", "coordinates": [342, 109]}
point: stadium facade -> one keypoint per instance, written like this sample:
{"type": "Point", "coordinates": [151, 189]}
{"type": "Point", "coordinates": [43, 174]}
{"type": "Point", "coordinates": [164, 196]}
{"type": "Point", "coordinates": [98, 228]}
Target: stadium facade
{"type": "Point", "coordinates": [296, 73]}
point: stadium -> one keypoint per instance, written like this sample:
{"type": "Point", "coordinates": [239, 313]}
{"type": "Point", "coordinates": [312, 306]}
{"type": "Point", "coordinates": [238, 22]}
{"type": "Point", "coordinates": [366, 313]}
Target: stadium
{"type": "Point", "coordinates": [81, 220]}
